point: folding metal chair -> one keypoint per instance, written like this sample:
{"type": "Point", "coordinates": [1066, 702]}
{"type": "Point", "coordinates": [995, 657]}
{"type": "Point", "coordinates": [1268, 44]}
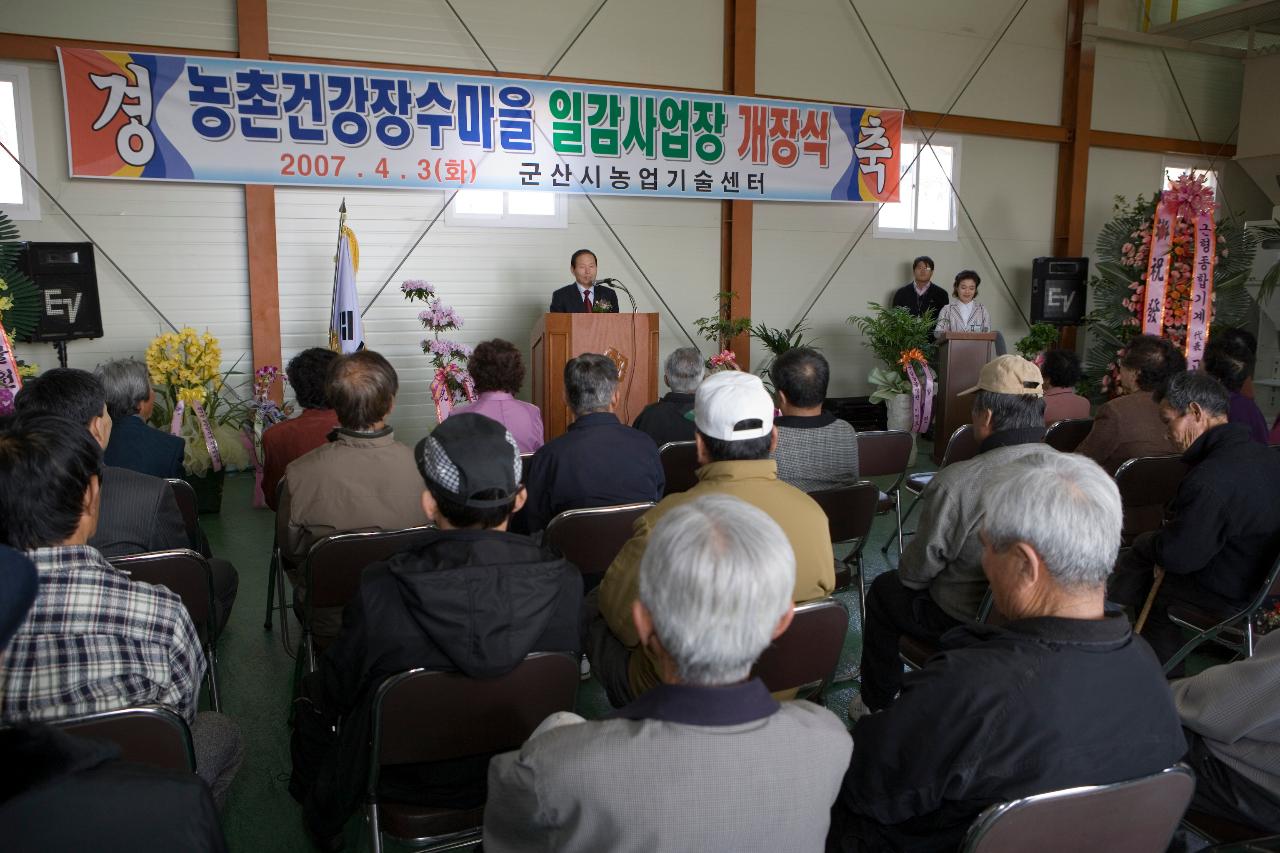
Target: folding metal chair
{"type": "Point", "coordinates": [850, 511]}
{"type": "Point", "coordinates": [1065, 435]}
{"type": "Point", "coordinates": [1136, 816]}
{"type": "Point", "coordinates": [421, 717]}
{"type": "Point", "coordinates": [591, 538]}
{"type": "Point", "coordinates": [1233, 630]}
{"type": "Point", "coordinates": [961, 446]}
{"type": "Point", "coordinates": [679, 466]}
{"type": "Point", "coordinates": [148, 734]}
{"type": "Point", "coordinates": [185, 496]}
{"type": "Point", "coordinates": [1147, 484]}
{"type": "Point", "coordinates": [805, 656]}
{"type": "Point", "coordinates": [185, 573]}
{"type": "Point", "coordinates": [885, 454]}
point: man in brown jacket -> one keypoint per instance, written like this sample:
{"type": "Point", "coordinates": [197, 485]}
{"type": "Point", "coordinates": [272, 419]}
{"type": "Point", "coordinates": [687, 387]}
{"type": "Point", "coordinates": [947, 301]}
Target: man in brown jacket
{"type": "Point", "coordinates": [733, 416]}
{"type": "Point", "coordinates": [363, 479]}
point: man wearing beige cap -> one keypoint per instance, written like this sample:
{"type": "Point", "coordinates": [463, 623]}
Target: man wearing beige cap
{"type": "Point", "coordinates": [939, 582]}
{"type": "Point", "coordinates": [733, 420]}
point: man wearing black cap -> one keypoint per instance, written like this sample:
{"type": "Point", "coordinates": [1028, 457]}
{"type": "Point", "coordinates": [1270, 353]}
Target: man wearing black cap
{"type": "Point", "coordinates": [475, 598]}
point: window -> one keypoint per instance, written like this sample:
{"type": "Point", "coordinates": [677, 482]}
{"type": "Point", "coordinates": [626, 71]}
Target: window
{"type": "Point", "coordinates": [501, 209]}
{"type": "Point", "coordinates": [926, 209]}
{"type": "Point", "coordinates": [19, 196]}
{"type": "Point", "coordinates": [1176, 168]}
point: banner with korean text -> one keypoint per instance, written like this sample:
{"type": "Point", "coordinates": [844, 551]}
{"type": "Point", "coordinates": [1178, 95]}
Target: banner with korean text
{"type": "Point", "coordinates": [142, 116]}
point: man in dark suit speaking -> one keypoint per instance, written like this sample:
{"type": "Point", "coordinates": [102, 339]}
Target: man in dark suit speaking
{"type": "Point", "coordinates": [584, 295]}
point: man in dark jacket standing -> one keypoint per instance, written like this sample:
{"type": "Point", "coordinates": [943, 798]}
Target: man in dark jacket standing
{"type": "Point", "coordinates": [475, 599]}
{"type": "Point", "coordinates": [1224, 532]}
{"type": "Point", "coordinates": [921, 294]}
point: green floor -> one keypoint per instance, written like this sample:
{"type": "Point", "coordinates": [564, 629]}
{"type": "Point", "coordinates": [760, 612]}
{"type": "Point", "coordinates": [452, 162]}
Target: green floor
{"type": "Point", "coordinates": [256, 672]}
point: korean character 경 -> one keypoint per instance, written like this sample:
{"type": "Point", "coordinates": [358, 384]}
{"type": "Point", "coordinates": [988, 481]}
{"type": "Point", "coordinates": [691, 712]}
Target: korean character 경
{"type": "Point", "coordinates": [475, 115]}
{"type": "Point", "coordinates": [708, 130]}
{"type": "Point", "coordinates": [604, 115]}
{"type": "Point", "coordinates": [257, 99]}
{"type": "Point", "coordinates": [304, 106]}
{"type": "Point", "coordinates": [350, 99]}
{"type": "Point", "coordinates": [673, 117]}
{"type": "Point", "coordinates": [436, 122]}
{"type": "Point", "coordinates": [642, 123]}
{"type": "Point", "coordinates": [133, 99]}
{"type": "Point", "coordinates": [391, 103]}
{"type": "Point", "coordinates": [566, 123]}
{"type": "Point", "coordinates": [212, 92]}
{"type": "Point", "coordinates": [515, 119]}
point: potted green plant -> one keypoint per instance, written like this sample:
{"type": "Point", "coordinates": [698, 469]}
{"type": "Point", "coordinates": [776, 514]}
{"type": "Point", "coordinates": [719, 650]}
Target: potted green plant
{"type": "Point", "coordinates": [901, 342]}
{"type": "Point", "coordinates": [1033, 345]}
{"type": "Point", "coordinates": [720, 329]}
{"type": "Point", "coordinates": [778, 341]}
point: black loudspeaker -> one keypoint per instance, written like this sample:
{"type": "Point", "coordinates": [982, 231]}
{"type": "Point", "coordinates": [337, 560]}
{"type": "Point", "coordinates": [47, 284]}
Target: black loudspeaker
{"type": "Point", "coordinates": [68, 283]}
{"type": "Point", "coordinates": [1057, 290]}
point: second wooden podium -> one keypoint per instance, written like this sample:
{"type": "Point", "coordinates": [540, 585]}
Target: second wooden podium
{"type": "Point", "coordinates": [629, 338]}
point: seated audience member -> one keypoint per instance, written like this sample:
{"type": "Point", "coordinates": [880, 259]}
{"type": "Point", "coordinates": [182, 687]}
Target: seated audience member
{"type": "Point", "coordinates": [63, 792]}
{"type": "Point", "coordinates": [474, 598]}
{"type": "Point", "coordinates": [498, 371]}
{"type": "Point", "coordinates": [735, 437]}
{"type": "Point", "coordinates": [94, 639]}
{"type": "Point", "coordinates": [1061, 695]}
{"type": "Point", "coordinates": [599, 461]}
{"type": "Point", "coordinates": [1233, 737]}
{"type": "Point", "coordinates": [286, 441]}
{"type": "Point", "coordinates": [816, 450]}
{"type": "Point", "coordinates": [1231, 363]}
{"type": "Point", "coordinates": [139, 512]}
{"type": "Point", "coordinates": [361, 480]}
{"type": "Point", "coordinates": [1223, 531]}
{"type": "Point", "coordinates": [1061, 370]}
{"type": "Point", "coordinates": [134, 445]}
{"type": "Point", "coordinates": [704, 760]}
{"type": "Point", "coordinates": [966, 314]}
{"type": "Point", "coordinates": [1129, 426]}
{"type": "Point", "coordinates": [665, 421]}
{"type": "Point", "coordinates": [939, 581]}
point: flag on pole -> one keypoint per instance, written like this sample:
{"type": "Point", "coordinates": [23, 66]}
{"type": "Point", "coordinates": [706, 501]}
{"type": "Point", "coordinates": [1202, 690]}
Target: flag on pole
{"type": "Point", "coordinates": [346, 331]}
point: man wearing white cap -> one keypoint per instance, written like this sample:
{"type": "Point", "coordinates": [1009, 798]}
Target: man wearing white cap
{"type": "Point", "coordinates": [733, 416]}
{"type": "Point", "coordinates": [939, 582]}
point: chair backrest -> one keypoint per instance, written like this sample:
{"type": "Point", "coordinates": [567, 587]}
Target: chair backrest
{"type": "Point", "coordinates": [679, 465]}
{"type": "Point", "coordinates": [335, 563]}
{"type": "Point", "coordinates": [421, 716]}
{"type": "Point", "coordinates": [147, 735]}
{"type": "Point", "coordinates": [184, 572]}
{"type": "Point", "coordinates": [884, 453]}
{"type": "Point", "coordinates": [1149, 480]}
{"type": "Point", "coordinates": [961, 446]}
{"type": "Point", "coordinates": [806, 654]}
{"type": "Point", "coordinates": [1065, 435]}
{"type": "Point", "coordinates": [591, 538]}
{"type": "Point", "coordinates": [850, 509]}
{"type": "Point", "coordinates": [525, 459]}
{"type": "Point", "coordinates": [1136, 816]}
{"type": "Point", "coordinates": [187, 505]}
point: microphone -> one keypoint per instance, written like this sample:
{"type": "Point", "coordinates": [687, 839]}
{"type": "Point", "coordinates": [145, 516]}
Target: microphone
{"type": "Point", "coordinates": [621, 287]}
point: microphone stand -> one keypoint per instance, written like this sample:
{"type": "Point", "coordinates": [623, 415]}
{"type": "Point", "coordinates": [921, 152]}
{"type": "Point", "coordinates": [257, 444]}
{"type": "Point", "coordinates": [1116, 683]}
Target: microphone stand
{"type": "Point", "coordinates": [624, 289]}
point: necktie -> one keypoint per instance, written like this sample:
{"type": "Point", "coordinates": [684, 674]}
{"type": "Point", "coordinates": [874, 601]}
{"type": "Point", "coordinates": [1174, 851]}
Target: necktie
{"type": "Point", "coordinates": [586, 301]}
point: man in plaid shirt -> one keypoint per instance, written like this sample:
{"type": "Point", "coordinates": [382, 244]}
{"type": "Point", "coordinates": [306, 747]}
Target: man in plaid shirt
{"type": "Point", "coordinates": [94, 639]}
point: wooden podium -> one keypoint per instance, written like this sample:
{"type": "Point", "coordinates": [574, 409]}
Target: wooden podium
{"type": "Point", "coordinates": [960, 359]}
{"type": "Point", "coordinates": [559, 337]}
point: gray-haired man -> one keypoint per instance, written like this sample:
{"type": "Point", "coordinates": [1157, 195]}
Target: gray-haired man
{"type": "Point", "coordinates": [707, 760]}
{"type": "Point", "coordinates": [1061, 695]}
{"type": "Point", "coordinates": [599, 461]}
{"type": "Point", "coordinates": [665, 420]}
{"type": "Point", "coordinates": [133, 444]}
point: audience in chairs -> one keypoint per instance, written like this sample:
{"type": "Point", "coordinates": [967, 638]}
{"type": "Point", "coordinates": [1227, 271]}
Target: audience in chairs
{"type": "Point", "coordinates": [135, 445]}
{"type": "Point", "coordinates": [735, 437]}
{"type": "Point", "coordinates": [361, 480]}
{"type": "Point", "coordinates": [707, 760]}
{"type": "Point", "coordinates": [939, 581]}
{"type": "Point", "coordinates": [286, 441]}
{"type": "Point", "coordinates": [816, 450]}
{"type": "Point", "coordinates": [1061, 370]}
{"type": "Point", "coordinates": [599, 461]}
{"type": "Point", "coordinates": [139, 512]}
{"type": "Point", "coordinates": [1223, 533]}
{"type": "Point", "coordinates": [1129, 426]}
{"type": "Point", "coordinates": [665, 421]}
{"type": "Point", "coordinates": [94, 639]}
{"type": "Point", "coordinates": [1062, 695]}
{"type": "Point", "coordinates": [498, 372]}
{"type": "Point", "coordinates": [1230, 358]}
{"type": "Point", "coordinates": [475, 598]}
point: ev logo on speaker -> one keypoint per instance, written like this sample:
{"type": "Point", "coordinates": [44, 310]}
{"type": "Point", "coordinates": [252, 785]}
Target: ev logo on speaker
{"type": "Point", "coordinates": [66, 306]}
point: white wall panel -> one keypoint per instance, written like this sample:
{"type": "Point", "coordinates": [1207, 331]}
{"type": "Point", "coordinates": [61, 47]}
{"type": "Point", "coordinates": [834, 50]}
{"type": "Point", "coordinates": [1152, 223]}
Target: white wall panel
{"type": "Point", "coordinates": [204, 24]}
{"type": "Point", "coordinates": [1135, 93]}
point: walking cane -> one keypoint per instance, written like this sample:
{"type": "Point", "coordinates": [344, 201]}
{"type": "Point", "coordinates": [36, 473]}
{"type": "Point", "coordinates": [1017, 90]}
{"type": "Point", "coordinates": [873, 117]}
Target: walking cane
{"type": "Point", "coordinates": [1158, 574]}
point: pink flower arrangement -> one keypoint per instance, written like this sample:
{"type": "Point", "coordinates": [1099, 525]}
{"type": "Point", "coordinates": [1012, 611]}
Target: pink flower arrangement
{"type": "Point", "coordinates": [725, 360]}
{"type": "Point", "coordinates": [451, 382]}
{"type": "Point", "coordinates": [1192, 195]}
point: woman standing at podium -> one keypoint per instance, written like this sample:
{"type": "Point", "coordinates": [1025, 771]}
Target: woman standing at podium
{"type": "Point", "coordinates": [966, 314]}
